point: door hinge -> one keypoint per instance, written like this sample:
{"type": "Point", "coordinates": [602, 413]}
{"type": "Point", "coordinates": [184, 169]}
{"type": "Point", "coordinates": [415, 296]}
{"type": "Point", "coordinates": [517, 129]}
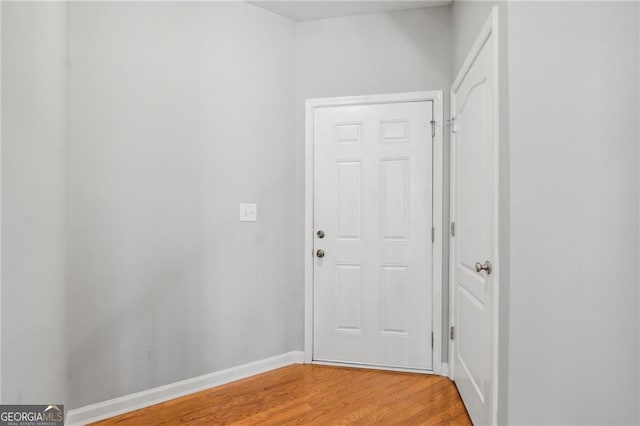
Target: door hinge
{"type": "Point", "coordinates": [433, 235]}
{"type": "Point", "coordinates": [453, 124]}
{"type": "Point", "coordinates": [453, 229]}
{"type": "Point", "coordinates": [432, 340]}
{"type": "Point", "coordinates": [452, 333]}
{"type": "Point", "coordinates": [433, 128]}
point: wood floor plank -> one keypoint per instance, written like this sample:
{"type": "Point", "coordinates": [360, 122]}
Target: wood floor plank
{"type": "Point", "coordinates": [313, 395]}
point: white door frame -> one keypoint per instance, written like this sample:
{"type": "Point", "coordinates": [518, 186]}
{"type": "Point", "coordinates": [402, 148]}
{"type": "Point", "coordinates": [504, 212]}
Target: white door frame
{"type": "Point", "coordinates": [490, 28]}
{"type": "Point", "coordinates": [435, 96]}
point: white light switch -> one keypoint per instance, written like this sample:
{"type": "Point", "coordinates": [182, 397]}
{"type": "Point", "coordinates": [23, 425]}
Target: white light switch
{"type": "Point", "coordinates": [248, 212]}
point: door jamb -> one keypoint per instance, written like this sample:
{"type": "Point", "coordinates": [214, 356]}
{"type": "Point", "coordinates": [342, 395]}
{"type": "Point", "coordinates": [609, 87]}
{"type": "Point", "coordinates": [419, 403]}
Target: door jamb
{"type": "Point", "coordinates": [489, 29]}
{"type": "Point", "coordinates": [435, 96]}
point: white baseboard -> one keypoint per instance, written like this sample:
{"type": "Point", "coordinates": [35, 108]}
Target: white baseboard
{"type": "Point", "coordinates": [374, 367]}
{"type": "Point", "coordinates": [135, 401]}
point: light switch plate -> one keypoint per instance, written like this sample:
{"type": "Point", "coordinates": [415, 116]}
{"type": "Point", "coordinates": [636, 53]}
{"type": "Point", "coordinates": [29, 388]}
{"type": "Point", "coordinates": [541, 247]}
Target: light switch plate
{"type": "Point", "coordinates": [248, 212]}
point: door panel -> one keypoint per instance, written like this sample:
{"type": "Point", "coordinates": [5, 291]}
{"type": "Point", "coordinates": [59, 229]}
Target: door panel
{"type": "Point", "coordinates": [394, 210]}
{"type": "Point", "coordinates": [373, 200]}
{"type": "Point", "coordinates": [473, 157]}
{"type": "Point", "coordinates": [349, 197]}
{"type": "Point", "coordinates": [348, 306]}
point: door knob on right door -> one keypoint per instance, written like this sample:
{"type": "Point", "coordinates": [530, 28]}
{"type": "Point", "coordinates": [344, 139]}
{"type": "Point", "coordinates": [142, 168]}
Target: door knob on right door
{"type": "Point", "coordinates": [487, 267]}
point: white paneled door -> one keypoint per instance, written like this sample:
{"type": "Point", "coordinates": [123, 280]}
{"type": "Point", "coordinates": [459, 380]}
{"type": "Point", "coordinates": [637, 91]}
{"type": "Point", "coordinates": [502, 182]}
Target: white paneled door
{"type": "Point", "coordinates": [474, 242]}
{"type": "Point", "coordinates": [372, 273]}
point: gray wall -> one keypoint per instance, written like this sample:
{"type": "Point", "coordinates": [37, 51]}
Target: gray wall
{"type": "Point", "coordinates": [34, 41]}
{"type": "Point", "coordinates": [390, 52]}
{"type": "Point", "coordinates": [178, 113]}
{"type": "Point", "coordinates": [573, 85]}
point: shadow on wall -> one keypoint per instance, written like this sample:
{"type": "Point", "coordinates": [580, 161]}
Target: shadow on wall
{"type": "Point", "coordinates": [436, 50]}
{"type": "Point", "coordinates": [179, 111]}
{"type": "Point", "coordinates": [149, 339]}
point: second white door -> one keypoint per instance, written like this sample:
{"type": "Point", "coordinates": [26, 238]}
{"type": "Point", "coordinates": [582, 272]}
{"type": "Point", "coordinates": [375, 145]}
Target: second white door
{"type": "Point", "coordinates": [372, 286]}
{"type": "Point", "coordinates": [474, 260]}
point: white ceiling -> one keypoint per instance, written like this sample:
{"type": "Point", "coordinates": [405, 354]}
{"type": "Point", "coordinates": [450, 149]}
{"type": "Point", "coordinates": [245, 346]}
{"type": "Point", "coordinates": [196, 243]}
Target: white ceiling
{"type": "Point", "coordinates": [307, 10]}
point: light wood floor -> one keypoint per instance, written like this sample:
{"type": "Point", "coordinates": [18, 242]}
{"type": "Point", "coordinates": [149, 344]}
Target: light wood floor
{"type": "Point", "coordinates": [314, 395]}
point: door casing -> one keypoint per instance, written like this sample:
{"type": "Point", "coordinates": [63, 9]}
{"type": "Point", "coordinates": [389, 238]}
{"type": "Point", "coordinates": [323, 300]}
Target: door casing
{"type": "Point", "coordinates": [435, 96]}
{"type": "Point", "coordinates": [489, 30]}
